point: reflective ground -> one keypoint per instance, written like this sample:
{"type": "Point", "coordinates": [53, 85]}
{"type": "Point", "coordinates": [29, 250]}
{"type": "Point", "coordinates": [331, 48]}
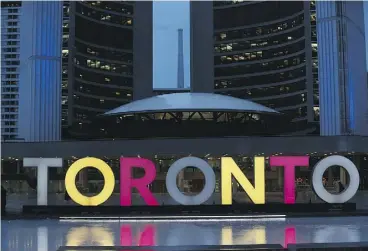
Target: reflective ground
{"type": "Point", "coordinates": [49, 235]}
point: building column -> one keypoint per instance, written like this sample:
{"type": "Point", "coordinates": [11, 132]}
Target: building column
{"type": "Point", "coordinates": [83, 178]}
{"type": "Point", "coordinates": [330, 177]}
{"type": "Point", "coordinates": [343, 178]}
{"type": "Point", "coordinates": [143, 52]}
{"type": "Point", "coordinates": [181, 180]}
{"type": "Point", "coordinates": [280, 177]}
{"type": "Point", "coordinates": [201, 46]}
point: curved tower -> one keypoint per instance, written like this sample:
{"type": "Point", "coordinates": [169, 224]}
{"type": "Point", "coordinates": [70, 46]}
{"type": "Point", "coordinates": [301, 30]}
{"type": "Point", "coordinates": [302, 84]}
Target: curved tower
{"type": "Point", "coordinates": [263, 53]}
{"type": "Point", "coordinates": [101, 76]}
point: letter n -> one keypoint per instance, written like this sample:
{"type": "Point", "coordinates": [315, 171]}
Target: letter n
{"type": "Point", "coordinates": [229, 168]}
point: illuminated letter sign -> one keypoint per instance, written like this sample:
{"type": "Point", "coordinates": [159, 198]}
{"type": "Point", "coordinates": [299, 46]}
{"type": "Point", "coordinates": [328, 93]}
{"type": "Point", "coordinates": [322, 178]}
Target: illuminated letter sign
{"type": "Point", "coordinates": [127, 182]}
{"type": "Point", "coordinates": [209, 176]}
{"type": "Point", "coordinates": [42, 165]}
{"type": "Point", "coordinates": [229, 168]}
{"type": "Point", "coordinates": [72, 189]}
{"type": "Point", "coordinates": [289, 163]}
{"type": "Point", "coordinates": [322, 166]}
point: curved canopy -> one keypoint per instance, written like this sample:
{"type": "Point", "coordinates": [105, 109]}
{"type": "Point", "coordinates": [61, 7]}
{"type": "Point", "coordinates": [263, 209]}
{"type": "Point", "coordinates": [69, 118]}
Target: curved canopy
{"type": "Point", "coordinates": [190, 102]}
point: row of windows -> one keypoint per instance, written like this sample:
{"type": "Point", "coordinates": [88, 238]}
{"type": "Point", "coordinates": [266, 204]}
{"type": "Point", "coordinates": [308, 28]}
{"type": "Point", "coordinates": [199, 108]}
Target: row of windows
{"type": "Point", "coordinates": [65, 40]}
{"type": "Point", "coordinates": [12, 23]}
{"type": "Point", "coordinates": [112, 6]}
{"type": "Point", "coordinates": [9, 109]}
{"type": "Point", "coordinates": [99, 78]}
{"type": "Point", "coordinates": [103, 92]}
{"type": "Point", "coordinates": [11, 75]}
{"type": "Point", "coordinates": [104, 53]}
{"type": "Point", "coordinates": [11, 17]}
{"type": "Point", "coordinates": [258, 55]}
{"type": "Point", "coordinates": [261, 12]}
{"type": "Point", "coordinates": [9, 82]}
{"type": "Point", "coordinates": [64, 84]}
{"type": "Point", "coordinates": [12, 30]}
{"type": "Point", "coordinates": [259, 31]}
{"type": "Point", "coordinates": [10, 43]}
{"type": "Point", "coordinates": [10, 123]}
{"type": "Point", "coordinates": [9, 96]}
{"type": "Point", "coordinates": [315, 59]}
{"type": "Point", "coordinates": [9, 89]}
{"type": "Point", "coordinates": [103, 35]}
{"type": "Point", "coordinates": [104, 66]}
{"type": "Point", "coordinates": [103, 16]}
{"type": "Point", "coordinates": [12, 36]}
{"type": "Point", "coordinates": [98, 103]}
{"type": "Point", "coordinates": [261, 80]}
{"type": "Point", "coordinates": [65, 59]}
{"type": "Point", "coordinates": [14, 62]}
{"type": "Point", "coordinates": [260, 67]}
{"type": "Point", "coordinates": [9, 130]}
{"type": "Point", "coordinates": [270, 91]}
{"type": "Point", "coordinates": [11, 56]}
{"type": "Point", "coordinates": [9, 116]}
{"type": "Point", "coordinates": [9, 102]}
{"type": "Point", "coordinates": [10, 50]}
{"type": "Point", "coordinates": [81, 114]}
{"type": "Point", "coordinates": [299, 112]}
{"type": "Point", "coordinates": [279, 102]}
{"type": "Point", "coordinates": [260, 43]}
{"type": "Point", "coordinates": [10, 69]}
{"type": "Point", "coordinates": [12, 10]}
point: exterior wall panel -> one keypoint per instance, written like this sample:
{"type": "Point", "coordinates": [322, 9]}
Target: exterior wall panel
{"type": "Point", "coordinates": [342, 68]}
{"type": "Point", "coordinates": [40, 72]}
{"type": "Point", "coordinates": [247, 146]}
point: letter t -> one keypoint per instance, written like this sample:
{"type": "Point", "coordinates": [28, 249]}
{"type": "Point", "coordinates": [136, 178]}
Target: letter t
{"type": "Point", "coordinates": [289, 163]}
{"type": "Point", "coordinates": [42, 165]}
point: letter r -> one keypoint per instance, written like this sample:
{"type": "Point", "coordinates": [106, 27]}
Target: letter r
{"type": "Point", "coordinates": [127, 182]}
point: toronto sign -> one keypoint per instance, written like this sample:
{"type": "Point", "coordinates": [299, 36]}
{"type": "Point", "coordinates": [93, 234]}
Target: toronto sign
{"type": "Point", "coordinates": [229, 170]}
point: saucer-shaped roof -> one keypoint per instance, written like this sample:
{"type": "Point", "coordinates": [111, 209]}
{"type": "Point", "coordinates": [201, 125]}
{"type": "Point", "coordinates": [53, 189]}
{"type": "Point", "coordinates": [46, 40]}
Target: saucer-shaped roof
{"type": "Point", "coordinates": [190, 102]}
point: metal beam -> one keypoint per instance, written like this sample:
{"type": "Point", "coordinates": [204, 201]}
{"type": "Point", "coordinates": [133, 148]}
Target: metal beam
{"type": "Point", "coordinates": [249, 146]}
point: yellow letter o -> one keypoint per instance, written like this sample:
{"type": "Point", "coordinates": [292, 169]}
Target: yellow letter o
{"type": "Point", "coordinates": [72, 189]}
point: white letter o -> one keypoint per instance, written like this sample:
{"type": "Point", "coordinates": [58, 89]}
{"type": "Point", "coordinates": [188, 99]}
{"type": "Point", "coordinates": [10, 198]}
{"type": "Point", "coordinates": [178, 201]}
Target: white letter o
{"type": "Point", "coordinates": [322, 166]}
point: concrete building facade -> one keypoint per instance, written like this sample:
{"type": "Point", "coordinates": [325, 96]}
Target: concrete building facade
{"type": "Point", "coordinates": [342, 68]}
{"type": "Point", "coordinates": [40, 71]}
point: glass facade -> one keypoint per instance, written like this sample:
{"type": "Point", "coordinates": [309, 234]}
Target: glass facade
{"type": "Point", "coordinates": [65, 61]}
{"type": "Point", "coordinates": [10, 67]}
{"type": "Point", "coordinates": [313, 21]}
{"type": "Point", "coordinates": [261, 55]}
{"type": "Point", "coordinates": [102, 59]}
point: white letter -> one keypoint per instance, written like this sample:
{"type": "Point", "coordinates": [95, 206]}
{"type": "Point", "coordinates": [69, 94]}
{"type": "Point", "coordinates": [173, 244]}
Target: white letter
{"type": "Point", "coordinates": [42, 174]}
{"type": "Point", "coordinates": [322, 166]}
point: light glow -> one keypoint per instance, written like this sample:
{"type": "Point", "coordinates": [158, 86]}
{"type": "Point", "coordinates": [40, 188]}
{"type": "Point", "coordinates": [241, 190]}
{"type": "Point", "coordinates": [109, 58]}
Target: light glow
{"type": "Point", "coordinates": [72, 189]}
{"type": "Point", "coordinates": [229, 168]}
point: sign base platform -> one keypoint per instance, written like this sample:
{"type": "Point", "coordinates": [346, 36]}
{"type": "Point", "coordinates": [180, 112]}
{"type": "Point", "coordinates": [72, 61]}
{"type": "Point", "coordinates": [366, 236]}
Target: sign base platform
{"type": "Point", "coordinates": [177, 211]}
